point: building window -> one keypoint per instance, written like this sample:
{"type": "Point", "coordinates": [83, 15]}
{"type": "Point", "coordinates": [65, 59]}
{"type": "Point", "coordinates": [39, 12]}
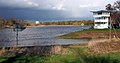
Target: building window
{"type": "Point", "coordinates": [95, 13]}
{"type": "Point", "coordinates": [99, 13]}
{"type": "Point", "coordinates": [100, 22]}
{"type": "Point", "coordinates": [97, 18]}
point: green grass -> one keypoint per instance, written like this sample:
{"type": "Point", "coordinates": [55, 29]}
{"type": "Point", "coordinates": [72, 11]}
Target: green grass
{"type": "Point", "coordinates": [4, 58]}
{"type": "Point", "coordinates": [76, 34]}
{"type": "Point", "coordinates": [67, 58]}
{"type": "Point", "coordinates": [105, 58]}
{"type": "Point", "coordinates": [70, 35]}
{"type": "Point", "coordinates": [100, 30]}
{"type": "Point", "coordinates": [75, 55]}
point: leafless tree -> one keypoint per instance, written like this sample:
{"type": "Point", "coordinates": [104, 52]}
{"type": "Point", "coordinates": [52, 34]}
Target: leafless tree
{"type": "Point", "coordinates": [109, 7]}
{"type": "Point", "coordinates": [117, 5]}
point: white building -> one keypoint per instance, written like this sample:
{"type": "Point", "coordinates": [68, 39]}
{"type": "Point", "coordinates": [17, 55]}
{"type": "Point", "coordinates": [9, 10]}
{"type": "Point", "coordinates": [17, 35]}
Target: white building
{"type": "Point", "coordinates": [37, 22]}
{"type": "Point", "coordinates": [101, 19]}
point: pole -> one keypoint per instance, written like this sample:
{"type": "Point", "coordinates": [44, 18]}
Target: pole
{"type": "Point", "coordinates": [110, 27]}
{"type": "Point", "coordinates": [17, 37]}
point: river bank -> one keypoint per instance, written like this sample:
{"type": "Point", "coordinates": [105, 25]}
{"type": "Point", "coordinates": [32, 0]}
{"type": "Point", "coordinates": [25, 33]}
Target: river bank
{"type": "Point", "coordinates": [92, 34]}
{"type": "Point", "coordinates": [56, 54]}
{"type": "Point", "coordinates": [108, 52]}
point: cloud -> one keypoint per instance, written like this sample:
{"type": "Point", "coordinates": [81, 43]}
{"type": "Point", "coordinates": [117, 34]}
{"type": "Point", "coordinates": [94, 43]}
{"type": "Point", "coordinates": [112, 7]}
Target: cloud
{"type": "Point", "coordinates": [36, 4]}
{"type": "Point", "coordinates": [25, 0]}
{"type": "Point", "coordinates": [29, 3]}
{"type": "Point", "coordinates": [72, 8]}
{"type": "Point", "coordinates": [90, 5]}
{"type": "Point", "coordinates": [55, 4]}
{"type": "Point", "coordinates": [58, 7]}
{"type": "Point", "coordinates": [83, 6]}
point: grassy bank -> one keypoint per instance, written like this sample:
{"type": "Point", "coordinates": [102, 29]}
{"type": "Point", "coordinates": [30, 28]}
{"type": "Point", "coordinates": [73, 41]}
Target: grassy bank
{"type": "Point", "coordinates": [91, 33]}
{"type": "Point", "coordinates": [78, 53]}
{"type": "Point", "coordinates": [74, 55]}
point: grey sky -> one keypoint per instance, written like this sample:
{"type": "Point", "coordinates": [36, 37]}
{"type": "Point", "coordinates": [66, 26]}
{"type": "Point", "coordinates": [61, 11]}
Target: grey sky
{"type": "Point", "coordinates": [50, 9]}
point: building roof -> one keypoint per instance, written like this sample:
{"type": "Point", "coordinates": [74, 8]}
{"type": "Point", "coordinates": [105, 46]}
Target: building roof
{"type": "Point", "coordinates": [100, 11]}
{"type": "Point", "coordinates": [103, 11]}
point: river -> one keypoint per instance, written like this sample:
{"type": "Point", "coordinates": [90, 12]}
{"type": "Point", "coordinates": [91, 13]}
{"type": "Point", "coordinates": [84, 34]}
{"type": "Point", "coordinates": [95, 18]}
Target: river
{"type": "Point", "coordinates": [40, 36]}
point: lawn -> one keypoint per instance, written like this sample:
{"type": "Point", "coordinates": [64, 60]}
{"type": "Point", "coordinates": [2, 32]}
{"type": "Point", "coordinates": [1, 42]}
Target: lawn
{"type": "Point", "coordinates": [89, 33]}
{"type": "Point", "coordinates": [75, 55]}
{"type": "Point", "coordinates": [100, 30]}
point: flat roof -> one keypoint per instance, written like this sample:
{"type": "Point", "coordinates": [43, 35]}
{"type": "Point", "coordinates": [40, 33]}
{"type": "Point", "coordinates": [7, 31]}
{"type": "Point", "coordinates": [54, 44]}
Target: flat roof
{"type": "Point", "coordinates": [103, 11]}
{"type": "Point", "coordinates": [100, 11]}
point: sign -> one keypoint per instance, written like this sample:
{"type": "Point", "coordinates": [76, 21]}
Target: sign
{"type": "Point", "coordinates": [82, 24]}
{"type": "Point", "coordinates": [18, 27]}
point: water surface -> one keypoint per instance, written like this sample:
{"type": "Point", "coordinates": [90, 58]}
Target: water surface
{"type": "Point", "coordinates": [37, 36]}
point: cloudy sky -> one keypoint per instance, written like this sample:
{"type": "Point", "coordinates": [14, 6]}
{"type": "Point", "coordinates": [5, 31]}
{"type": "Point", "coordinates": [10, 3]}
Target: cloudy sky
{"type": "Point", "coordinates": [47, 10]}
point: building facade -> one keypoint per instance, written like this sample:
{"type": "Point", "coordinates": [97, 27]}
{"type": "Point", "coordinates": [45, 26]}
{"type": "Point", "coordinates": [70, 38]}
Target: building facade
{"type": "Point", "coordinates": [101, 19]}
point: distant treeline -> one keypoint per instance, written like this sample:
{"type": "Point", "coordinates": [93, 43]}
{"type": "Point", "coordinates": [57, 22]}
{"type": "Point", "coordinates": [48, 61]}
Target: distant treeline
{"type": "Point", "coordinates": [85, 22]}
{"type": "Point", "coordinates": [8, 23]}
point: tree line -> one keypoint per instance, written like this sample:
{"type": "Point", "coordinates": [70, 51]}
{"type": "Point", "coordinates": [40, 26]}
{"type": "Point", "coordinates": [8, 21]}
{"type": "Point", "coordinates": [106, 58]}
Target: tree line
{"type": "Point", "coordinates": [85, 22]}
{"type": "Point", "coordinates": [8, 23]}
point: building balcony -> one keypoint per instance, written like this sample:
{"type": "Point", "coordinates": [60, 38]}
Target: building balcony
{"type": "Point", "coordinates": [106, 15]}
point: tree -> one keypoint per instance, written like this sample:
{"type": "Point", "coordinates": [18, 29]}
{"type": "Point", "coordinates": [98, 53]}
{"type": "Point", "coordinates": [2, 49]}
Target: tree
{"type": "Point", "coordinates": [117, 8]}
{"type": "Point", "coordinates": [117, 5]}
{"type": "Point", "coordinates": [2, 22]}
{"type": "Point", "coordinates": [115, 16]}
{"type": "Point", "coordinates": [109, 7]}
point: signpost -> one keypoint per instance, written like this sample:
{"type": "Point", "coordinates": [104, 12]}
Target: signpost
{"type": "Point", "coordinates": [82, 24]}
{"type": "Point", "coordinates": [17, 28]}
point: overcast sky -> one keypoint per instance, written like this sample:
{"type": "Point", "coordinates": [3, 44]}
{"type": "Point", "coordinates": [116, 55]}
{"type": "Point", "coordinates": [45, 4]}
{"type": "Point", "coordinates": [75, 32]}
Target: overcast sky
{"type": "Point", "coordinates": [51, 9]}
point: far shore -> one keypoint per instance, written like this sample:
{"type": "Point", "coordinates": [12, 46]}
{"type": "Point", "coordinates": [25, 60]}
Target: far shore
{"type": "Point", "coordinates": [10, 27]}
{"type": "Point", "coordinates": [59, 25]}
{"type": "Point", "coordinates": [52, 25]}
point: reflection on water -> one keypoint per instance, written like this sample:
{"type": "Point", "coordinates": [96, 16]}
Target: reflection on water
{"type": "Point", "coordinates": [37, 36]}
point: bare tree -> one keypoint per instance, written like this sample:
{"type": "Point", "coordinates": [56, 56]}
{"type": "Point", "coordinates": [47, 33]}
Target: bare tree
{"type": "Point", "coordinates": [114, 15]}
{"type": "Point", "coordinates": [117, 5]}
{"type": "Point", "coordinates": [109, 7]}
{"type": "Point", "coordinates": [117, 8]}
